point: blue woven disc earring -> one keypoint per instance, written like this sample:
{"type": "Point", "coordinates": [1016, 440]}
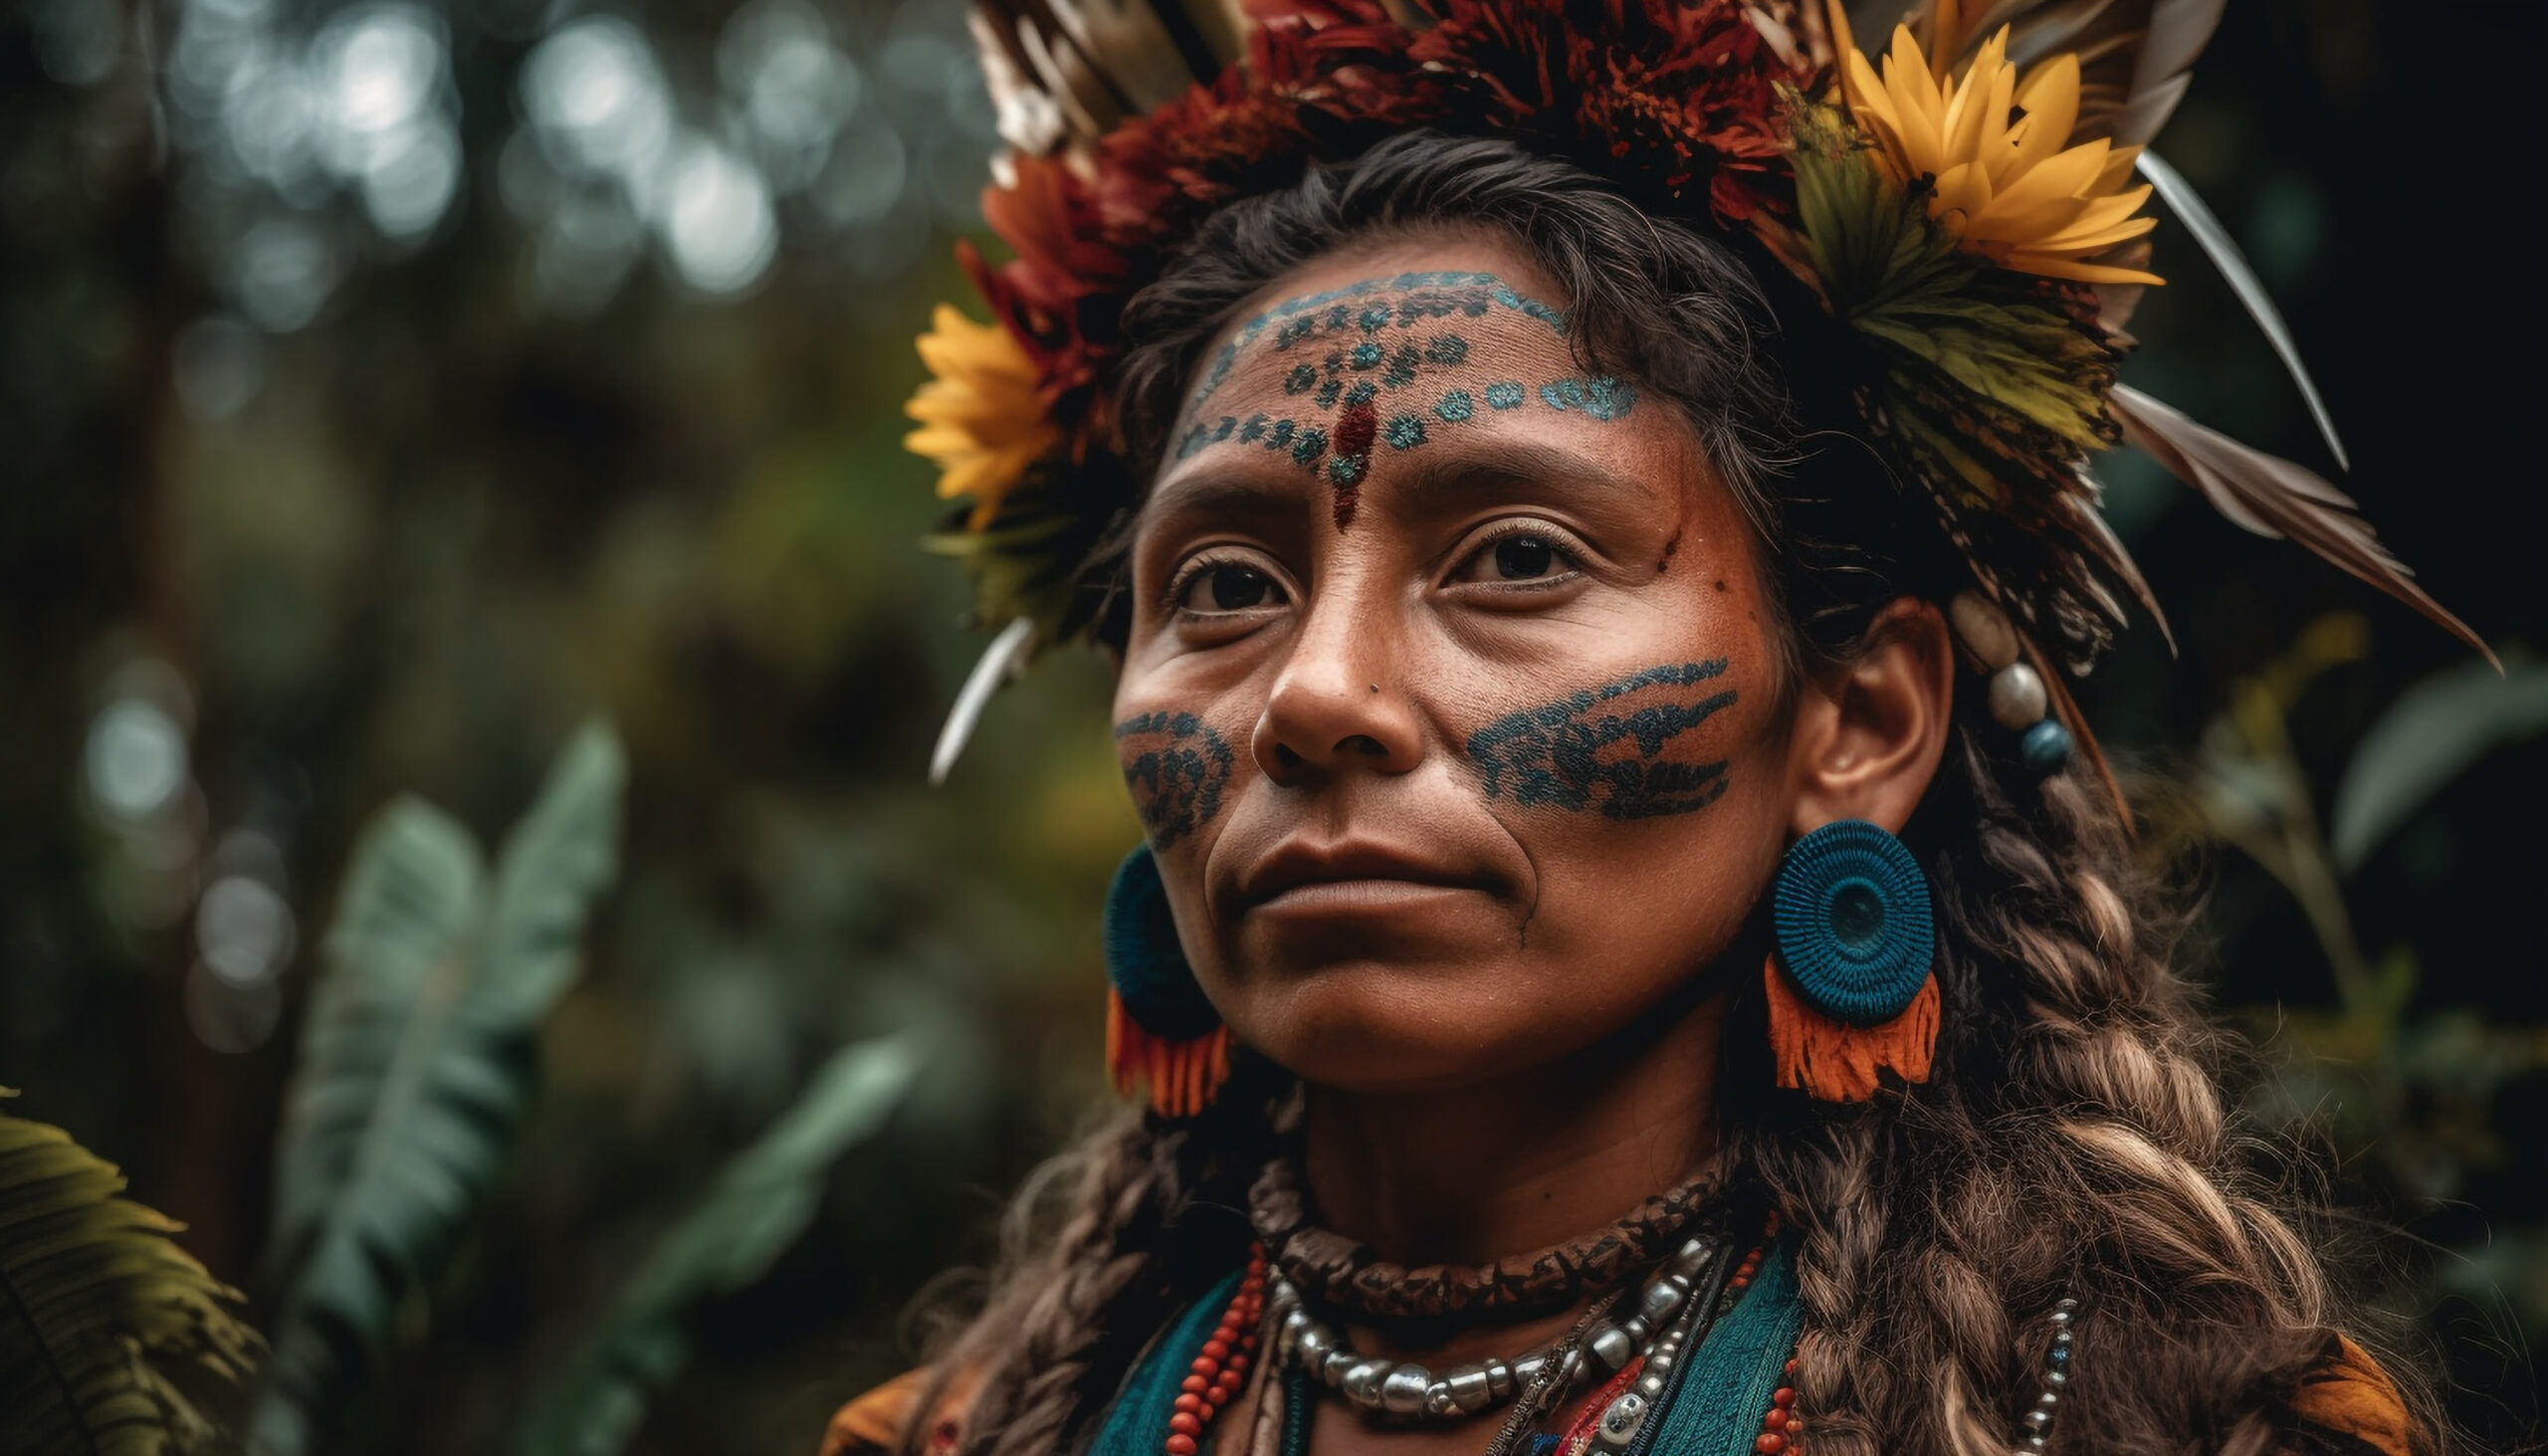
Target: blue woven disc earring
{"type": "Point", "coordinates": [1159, 1027]}
{"type": "Point", "coordinates": [1850, 990]}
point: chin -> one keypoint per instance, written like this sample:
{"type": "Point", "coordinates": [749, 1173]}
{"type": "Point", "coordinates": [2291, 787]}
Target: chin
{"type": "Point", "coordinates": [1395, 1026]}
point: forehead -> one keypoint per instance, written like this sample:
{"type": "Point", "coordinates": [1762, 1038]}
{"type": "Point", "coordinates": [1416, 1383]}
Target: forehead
{"type": "Point", "coordinates": [1380, 330]}
{"type": "Point", "coordinates": [1349, 362]}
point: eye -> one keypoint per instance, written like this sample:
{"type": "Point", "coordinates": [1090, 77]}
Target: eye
{"type": "Point", "coordinates": [1226, 586]}
{"type": "Point", "coordinates": [1525, 558]}
{"type": "Point", "coordinates": [1521, 555]}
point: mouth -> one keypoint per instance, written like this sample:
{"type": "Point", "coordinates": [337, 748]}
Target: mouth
{"type": "Point", "coordinates": [1350, 877]}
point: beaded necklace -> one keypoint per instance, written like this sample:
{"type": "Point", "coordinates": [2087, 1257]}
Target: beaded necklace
{"type": "Point", "coordinates": [1407, 1389]}
{"type": "Point", "coordinates": [1734, 1357]}
{"type": "Point", "coordinates": [1220, 1368]}
{"type": "Point", "coordinates": [1335, 1272]}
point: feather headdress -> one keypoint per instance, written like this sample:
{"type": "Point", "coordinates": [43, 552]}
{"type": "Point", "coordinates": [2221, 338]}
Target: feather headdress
{"type": "Point", "coordinates": [1968, 202]}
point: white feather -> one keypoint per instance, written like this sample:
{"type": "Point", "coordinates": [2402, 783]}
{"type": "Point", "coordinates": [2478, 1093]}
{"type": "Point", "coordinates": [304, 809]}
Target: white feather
{"type": "Point", "coordinates": [1000, 662]}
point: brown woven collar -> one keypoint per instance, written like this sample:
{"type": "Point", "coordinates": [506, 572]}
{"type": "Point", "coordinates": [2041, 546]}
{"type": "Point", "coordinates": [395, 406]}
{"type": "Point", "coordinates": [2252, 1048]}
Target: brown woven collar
{"type": "Point", "coordinates": [1332, 1270]}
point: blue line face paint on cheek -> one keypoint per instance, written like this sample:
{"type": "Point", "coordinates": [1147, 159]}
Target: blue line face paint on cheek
{"type": "Point", "coordinates": [1606, 747]}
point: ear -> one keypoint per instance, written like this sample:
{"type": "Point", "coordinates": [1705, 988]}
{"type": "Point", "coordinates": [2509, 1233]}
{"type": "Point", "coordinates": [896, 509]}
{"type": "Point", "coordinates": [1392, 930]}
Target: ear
{"type": "Point", "coordinates": [1869, 733]}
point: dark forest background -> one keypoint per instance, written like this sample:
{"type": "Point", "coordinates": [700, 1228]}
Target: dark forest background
{"type": "Point", "coordinates": [387, 387]}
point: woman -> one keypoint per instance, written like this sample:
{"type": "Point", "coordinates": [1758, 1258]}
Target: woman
{"type": "Point", "coordinates": [1634, 949]}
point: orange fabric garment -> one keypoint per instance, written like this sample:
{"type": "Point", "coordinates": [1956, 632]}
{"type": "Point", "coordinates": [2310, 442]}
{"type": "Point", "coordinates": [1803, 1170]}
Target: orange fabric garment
{"type": "Point", "coordinates": [871, 1421]}
{"type": "Point", "coordinates": [2351, 1396]}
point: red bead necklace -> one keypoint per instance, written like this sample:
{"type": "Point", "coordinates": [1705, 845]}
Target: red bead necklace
{"type": "Point", "coordinates": [1580, 1436]}
{"type": "Point", "coordinates": [1780, 1427]}
{"type": "Point", "coordinates": [1218, 1372]}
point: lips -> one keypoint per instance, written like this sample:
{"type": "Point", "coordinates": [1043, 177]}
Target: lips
{"type": "Point", "coordinates": [1300, 866]}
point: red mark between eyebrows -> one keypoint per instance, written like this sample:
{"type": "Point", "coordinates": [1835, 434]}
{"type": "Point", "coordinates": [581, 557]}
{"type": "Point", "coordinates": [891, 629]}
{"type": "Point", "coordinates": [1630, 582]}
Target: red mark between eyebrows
{"type": "Point", "coordinates": [1355, 431]}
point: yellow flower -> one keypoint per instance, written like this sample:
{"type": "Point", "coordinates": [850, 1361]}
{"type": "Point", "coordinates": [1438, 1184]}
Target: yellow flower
{"type": "Point", "coordinates": [980, 418]}
{"type": "Point", "coordinates": [2007, 187]}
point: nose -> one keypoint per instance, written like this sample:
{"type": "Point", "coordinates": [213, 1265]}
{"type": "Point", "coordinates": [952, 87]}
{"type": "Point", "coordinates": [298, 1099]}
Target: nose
{"type": "Point", "coordinates": [1340, 702]}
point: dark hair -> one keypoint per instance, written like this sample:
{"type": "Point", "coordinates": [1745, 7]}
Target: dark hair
{"type": "Point", "coordinates": [2073, 1139]}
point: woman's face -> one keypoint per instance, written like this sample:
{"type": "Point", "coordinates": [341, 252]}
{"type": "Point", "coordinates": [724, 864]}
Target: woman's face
{"type": "Point", "coordinates": [1450, 701]}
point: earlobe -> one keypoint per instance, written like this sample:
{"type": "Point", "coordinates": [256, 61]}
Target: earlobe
{"type": "Point", "coordinates": [1868, 738]}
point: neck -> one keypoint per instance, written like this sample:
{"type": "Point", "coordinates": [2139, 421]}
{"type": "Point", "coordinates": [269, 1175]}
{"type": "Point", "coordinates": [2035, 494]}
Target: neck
{"type": "Point", "coordinates": [1519, 1164]}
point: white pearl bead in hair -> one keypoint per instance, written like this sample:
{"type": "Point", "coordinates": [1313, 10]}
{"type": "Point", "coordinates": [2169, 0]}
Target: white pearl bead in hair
{"type": "Point", "coordinates": [2018, 698]}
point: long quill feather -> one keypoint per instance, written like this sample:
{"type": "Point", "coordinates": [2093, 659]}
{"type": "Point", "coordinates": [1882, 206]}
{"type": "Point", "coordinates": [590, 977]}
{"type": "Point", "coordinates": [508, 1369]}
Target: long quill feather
{"type": "Point", "coordinates": [2223, 250]}
{"type": "Point", "coordinates": [2273, 497]}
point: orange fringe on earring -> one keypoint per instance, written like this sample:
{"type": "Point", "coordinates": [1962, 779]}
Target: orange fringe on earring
{"type": "Point", "coordinates": [1183, 1076]}
{"type": "Point", "coordinates": [1833, 1061]}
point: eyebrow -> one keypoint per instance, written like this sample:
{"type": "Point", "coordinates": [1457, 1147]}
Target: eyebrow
{"type": "Point", "coordinates": [1252, 492]}
{"type": "Point", "coordinates": [1455, 479]}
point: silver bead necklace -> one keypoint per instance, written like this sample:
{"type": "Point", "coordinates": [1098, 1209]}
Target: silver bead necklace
{"type": "Point", "coordinates": [1658, 1329]}
{"type": "Point", "coordinates": [2056, 1374]}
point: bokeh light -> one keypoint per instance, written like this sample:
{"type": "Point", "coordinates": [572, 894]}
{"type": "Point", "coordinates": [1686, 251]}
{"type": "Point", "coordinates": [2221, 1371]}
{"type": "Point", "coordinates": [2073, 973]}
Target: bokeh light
{"type": "Point", "coordinates": [284, 269]}
{"type": "Point", "coordinates": [230, 1018]}
{"type": "Point", "coordinates": [136, 760]}
{"type": "Point", "coordinates": [76, 40]}
{"type": "Point", "coordinates": [791, 83]}
{"type": "Point", "coordinates": [378, 67]}
{"type": "Point", "coordinates": [315, 144]}
{"type": "Point", "coordinates": [218, 364]}
{"type": "Point", "coordinates": [598, 101]}
{"type": "Point", "coordinates": [243, 929]}
{"type": "Point", "coordinates": [716, 219]}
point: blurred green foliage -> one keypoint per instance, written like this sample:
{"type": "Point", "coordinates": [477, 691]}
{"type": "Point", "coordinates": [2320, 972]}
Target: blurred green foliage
{"type": "Point", "coordinates": [391, 384]}
{"type": "Point", "coordinates": [110, 1332]}
{"type": "Point", "coordinates": [416, 1066]}
{"type": "Point", "coordinates": [760, 1202]}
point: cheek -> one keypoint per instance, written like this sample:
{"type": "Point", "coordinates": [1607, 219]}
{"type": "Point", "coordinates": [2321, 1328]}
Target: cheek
{"type": "Point", "coordinates": [1656, 898]}
{"type": "Point", "coordinates": [1651, 807]}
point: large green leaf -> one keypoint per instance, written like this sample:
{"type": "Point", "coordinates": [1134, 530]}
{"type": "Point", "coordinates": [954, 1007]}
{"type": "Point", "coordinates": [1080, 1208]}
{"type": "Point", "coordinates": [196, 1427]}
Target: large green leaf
{"type": "Point", "coordinates": [760, 1203]}
{"type": "Point", "coordinates": [104, 1320]}
{"type": "Point", "coordinates": [416, 1064]}
{"type": "Point", "coordinates": [2428, 737]}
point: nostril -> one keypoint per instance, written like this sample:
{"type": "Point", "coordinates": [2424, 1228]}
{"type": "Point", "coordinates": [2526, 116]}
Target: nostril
{"type": "Point", "coordinates": [1286, 757]}
{"type": "Point", "coordinates": [1365, 744]}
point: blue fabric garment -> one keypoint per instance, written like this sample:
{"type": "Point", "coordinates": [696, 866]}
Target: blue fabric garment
{"type": "Point", "coordinates": [1138, 1423]}
{"type": "Point", "coordinates": [1715, 1407]}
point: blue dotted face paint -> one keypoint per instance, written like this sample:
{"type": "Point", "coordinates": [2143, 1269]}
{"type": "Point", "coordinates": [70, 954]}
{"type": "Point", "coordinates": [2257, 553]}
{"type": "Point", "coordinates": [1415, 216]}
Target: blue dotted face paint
{"type": "Point", "coordinates": [1367, 375]}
